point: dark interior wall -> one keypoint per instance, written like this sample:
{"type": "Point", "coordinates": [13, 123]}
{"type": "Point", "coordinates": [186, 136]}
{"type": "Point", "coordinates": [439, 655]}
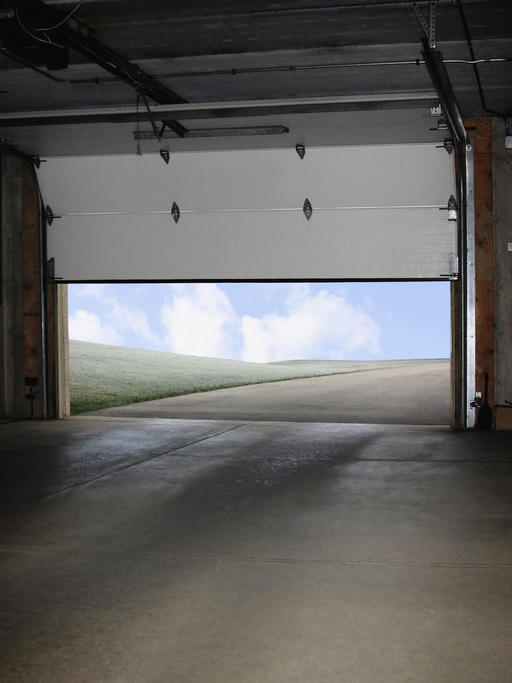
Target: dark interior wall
{"type": "Point", "coordinates": [502, 208]}
{"type": "Point", "coordinates": [32, 304]}
{"type": "Point", "coordinates": [12, 401]}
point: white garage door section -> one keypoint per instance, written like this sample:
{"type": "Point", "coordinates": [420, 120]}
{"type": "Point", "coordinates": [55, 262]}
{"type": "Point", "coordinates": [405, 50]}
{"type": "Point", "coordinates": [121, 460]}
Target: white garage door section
{"type": "Point", "coordinates": [378, 212]}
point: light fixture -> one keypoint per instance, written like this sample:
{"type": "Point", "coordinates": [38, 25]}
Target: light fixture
{"type": "Point", "coordinates": [301, 150]}
{"type": "Point", "coordinates": [307, 209]}
{"type": "Point", "coordinates": [165, 155]}
{"type": "Point", "coordinates": [212, 132]}
{"type": "Point", "coordinates": [452, 209]}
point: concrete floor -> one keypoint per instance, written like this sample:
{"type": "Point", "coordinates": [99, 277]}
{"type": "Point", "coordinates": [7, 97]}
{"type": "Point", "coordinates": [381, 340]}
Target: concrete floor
{"type": "Point", "coordinates": [155, 550]}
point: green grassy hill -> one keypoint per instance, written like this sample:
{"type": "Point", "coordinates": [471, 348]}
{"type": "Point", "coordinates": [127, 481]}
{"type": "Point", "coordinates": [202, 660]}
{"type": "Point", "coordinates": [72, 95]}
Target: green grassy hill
{"type": "Point", "coordinates": [104, 376]}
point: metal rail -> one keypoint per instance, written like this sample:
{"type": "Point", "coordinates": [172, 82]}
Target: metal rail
{"type": "Point", "coordinates": [464, 147]}
{"type": "Point", "coordinates": [329, 9]}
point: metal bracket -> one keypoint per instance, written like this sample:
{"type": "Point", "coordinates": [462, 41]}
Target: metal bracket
{"type": "Point", "coordinates": [176, 127]}
{"type": "Point", "coordinates": [430, 28]}
{"type": "Point", "coordinates": [157, 132]}
{"type": "Point", "coordinates": [442, 123]}
{"type": "Point", "coordinates": [477, 401]}
{"type": "Point", "coordinates": [452, 208]}
{"type": "Point", "coordinates": [49, 215]}
{"type": "Point", "coordinates": [447, 144]}
{"type": "Point", "coordinates": [180, 130]}
{"type": "Point", "coordinates": [301, 151]}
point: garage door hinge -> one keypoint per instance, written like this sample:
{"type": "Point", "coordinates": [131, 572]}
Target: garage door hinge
{"type": "Point", "coordinates": [307, 209]}
{"type": "Point", "coordinates": [453, 265]}
{"type": "Point", "coordinates": [50, 269]}
{"type": "Point", "coordinates": [175, 212]}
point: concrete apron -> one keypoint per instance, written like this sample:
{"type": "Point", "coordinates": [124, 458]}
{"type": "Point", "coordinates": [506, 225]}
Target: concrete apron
{"type": "Point", "coordinates": [222, 551]}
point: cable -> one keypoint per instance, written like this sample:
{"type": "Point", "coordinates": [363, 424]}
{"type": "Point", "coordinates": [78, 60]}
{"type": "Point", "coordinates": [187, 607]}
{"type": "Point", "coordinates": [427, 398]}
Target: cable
{"type": "Point", "coordinates": [310, 67]}
{"type": "Point", "coordinates": [138, 140]}
{"type": "Point", "coordinates": [51, 28]}
{"type": "Point", "coordinates": [45, 42]}
{"type": "Point", "coordinates": [257, 70]}
{"type": "Point", "coordinates": [485, 60]}
{"type": "Point", "coordinates": [475, 63]}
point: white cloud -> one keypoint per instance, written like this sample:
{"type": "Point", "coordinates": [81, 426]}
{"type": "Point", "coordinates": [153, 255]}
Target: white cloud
{"type": "Point", "coordinates": [200, 321]}
{"type": "Point", "coordinates": [298, 292]}
{"type": "Point", "coordinates": [136, 321]}
{"type": "Point", "coordinates": [86, 326]}
{"type": "Point", "coordinates": [325, 325]}
{"type": "Point", "coordinates": [94, 291]}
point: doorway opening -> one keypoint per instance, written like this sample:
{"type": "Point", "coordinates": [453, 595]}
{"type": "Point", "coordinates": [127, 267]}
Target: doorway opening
{"type": "Point", "coordinates": [218, 335]}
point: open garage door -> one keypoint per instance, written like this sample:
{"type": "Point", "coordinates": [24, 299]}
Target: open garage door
{"type": "Point", "coordinates": [373, 212]}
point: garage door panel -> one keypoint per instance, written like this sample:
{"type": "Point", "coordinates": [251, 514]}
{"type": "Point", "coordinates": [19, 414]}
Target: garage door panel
{"type": "Point", "coordinates": [397, 175]}
{"type": "Point", "coordinates": [394, 244]}
{"type": "Point", "coordinates": [196, 181]}
{"type": "Point", "coordinates": [202, 246]}
{"type": "Point", "coordinates": [334, 244]}
{"type": "Point", "coordinates": [376, 215]}
{"type": "Point", "coordinates": [104, 184]}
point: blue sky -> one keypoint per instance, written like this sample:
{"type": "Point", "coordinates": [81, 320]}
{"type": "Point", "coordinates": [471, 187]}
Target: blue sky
{"type": "Point", "coordinates": [265, 322]}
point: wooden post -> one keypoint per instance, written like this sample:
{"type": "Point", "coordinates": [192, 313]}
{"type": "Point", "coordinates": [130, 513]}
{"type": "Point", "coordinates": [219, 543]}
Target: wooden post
{"type": "Point", "coordinates": [32, 305]}
{"type": "Point", "coordinates": [31, 345]}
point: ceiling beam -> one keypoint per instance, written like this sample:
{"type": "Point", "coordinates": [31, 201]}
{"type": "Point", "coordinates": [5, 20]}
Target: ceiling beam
{"type": "Point", "coordinates": [222, 110]}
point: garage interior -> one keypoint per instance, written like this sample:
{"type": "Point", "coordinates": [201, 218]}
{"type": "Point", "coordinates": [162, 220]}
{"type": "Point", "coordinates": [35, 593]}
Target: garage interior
{"type": "Point", "coordinates": [146, 549]}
